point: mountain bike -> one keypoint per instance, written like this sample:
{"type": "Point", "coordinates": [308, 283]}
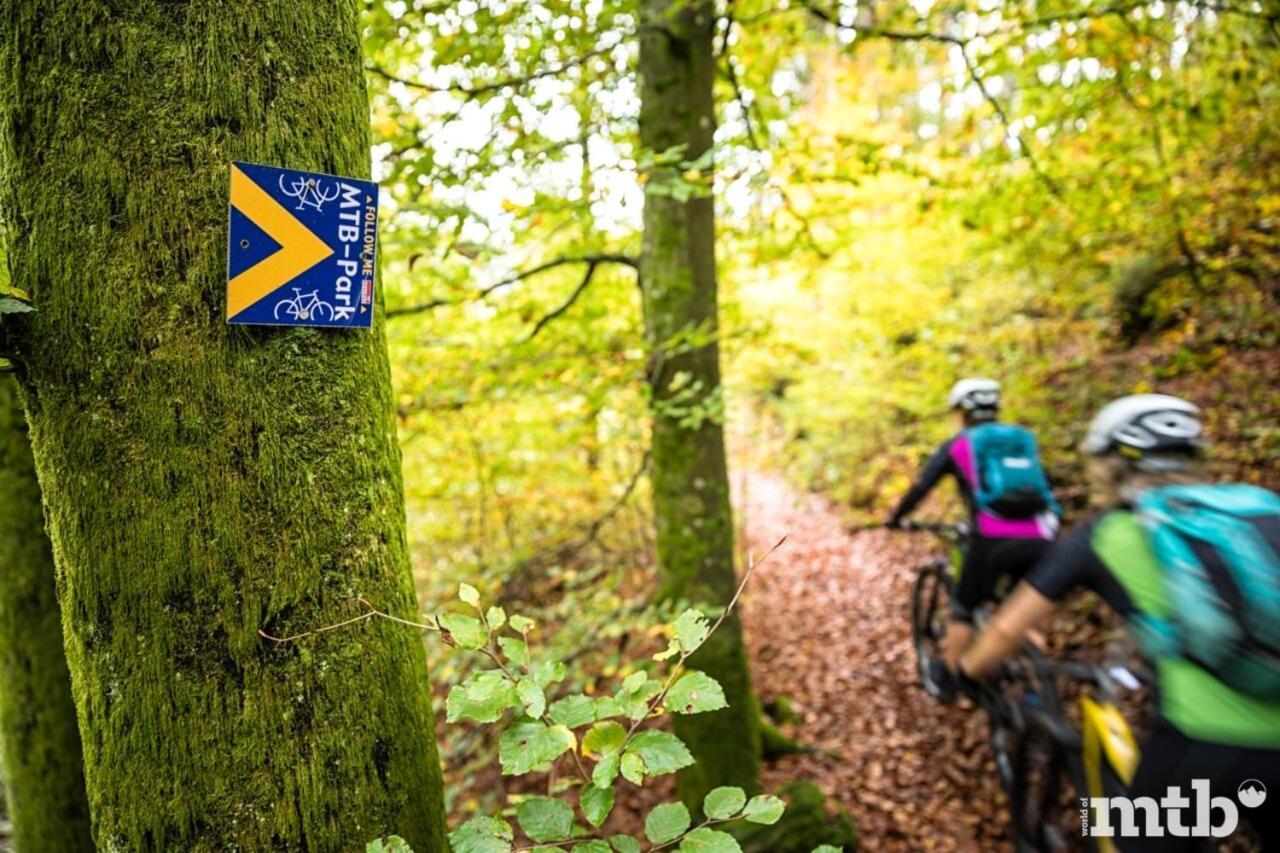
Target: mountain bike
{"type": "Point", "coordinates": [1057, 764]}
{"type": "Point", "coordinates": [931, 606]}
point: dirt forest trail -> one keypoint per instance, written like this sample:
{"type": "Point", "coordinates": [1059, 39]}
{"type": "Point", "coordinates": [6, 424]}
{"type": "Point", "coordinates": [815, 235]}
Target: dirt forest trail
{"type": "Point", "coordinates": [827, 622]}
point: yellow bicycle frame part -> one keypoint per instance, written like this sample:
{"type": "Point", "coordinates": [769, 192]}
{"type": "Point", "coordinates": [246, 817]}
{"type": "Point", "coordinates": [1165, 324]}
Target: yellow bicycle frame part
{"type": "Point", "coordinates": [1105, 736]}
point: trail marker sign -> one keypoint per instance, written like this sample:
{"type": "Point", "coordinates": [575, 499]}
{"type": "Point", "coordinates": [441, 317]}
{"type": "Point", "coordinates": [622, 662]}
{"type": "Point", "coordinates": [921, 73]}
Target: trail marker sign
{"type": "Point", "coordinates": [301, 248]}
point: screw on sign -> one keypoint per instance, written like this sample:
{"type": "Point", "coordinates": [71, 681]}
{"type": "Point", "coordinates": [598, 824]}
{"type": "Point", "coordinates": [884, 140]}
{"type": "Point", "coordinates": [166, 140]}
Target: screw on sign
{"type": "Point", "coordinates": [301, 248]}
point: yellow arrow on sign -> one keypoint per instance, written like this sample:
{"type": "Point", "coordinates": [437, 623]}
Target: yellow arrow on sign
{"type": "Point", "coordinates": [299, 251]}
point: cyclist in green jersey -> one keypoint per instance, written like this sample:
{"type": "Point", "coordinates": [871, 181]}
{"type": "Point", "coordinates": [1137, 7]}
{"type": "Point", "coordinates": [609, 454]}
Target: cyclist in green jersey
{"type": "Point", "coordinates": [1205, 729]}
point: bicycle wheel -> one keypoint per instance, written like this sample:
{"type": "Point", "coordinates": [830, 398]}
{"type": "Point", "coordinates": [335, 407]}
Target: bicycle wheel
{"type": "Point", "coordinates": [1003, 731]}
{"type": "Point", "coordinates": [929, 606]}
{"type": "Point", "coordinates": [1044, 796]}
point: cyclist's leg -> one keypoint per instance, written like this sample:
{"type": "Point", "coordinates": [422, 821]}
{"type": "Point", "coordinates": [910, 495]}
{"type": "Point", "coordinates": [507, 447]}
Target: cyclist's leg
{"type": "Point", "coordinates": [969, 594]}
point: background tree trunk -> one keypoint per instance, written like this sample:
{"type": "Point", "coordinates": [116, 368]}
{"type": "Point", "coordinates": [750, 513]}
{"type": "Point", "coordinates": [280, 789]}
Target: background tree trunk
{"type": "Point", "coordinates": [204, 480]}
{"type": "Point", "coordinates": [39, 742]}
{"type": "Point", "coordinates": [690, 479]}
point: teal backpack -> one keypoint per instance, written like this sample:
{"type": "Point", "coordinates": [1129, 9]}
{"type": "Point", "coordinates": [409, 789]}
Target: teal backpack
{"type": "Point", "coordinates": [1219, 549]}
{"type": "Point", "coordinates": [1011, 482]}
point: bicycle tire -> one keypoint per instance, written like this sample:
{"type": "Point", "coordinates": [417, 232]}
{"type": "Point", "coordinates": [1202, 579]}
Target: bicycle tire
{"type": "Point", "coordinates": [1044, 798]}
{"type": "Point", "coordinates": [932, 590]}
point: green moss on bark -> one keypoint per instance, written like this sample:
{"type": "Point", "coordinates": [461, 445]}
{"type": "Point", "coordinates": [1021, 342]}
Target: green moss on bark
{"type": "Point", "coordinates": [204, 480]}
{"type": "Point", "coordinates": [39, 742]}
{"type": "Point", "coordinates": [689, 471]}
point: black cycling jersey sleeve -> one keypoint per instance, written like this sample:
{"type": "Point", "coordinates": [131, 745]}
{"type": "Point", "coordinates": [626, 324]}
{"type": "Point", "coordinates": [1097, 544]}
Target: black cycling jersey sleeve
{"type": "Point", "coordinates": [939, 465]}
{"type": "Point", "coordinates": [1070, 564]}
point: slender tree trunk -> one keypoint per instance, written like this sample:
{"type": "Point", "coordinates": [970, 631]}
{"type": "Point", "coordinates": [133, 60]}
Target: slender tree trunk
{"type": "Point", "coordinates": [204, 480]}
{"type": "Point", "coordinates": [39, 742]}
{"type": "Point", "coordinates": [690, 480]}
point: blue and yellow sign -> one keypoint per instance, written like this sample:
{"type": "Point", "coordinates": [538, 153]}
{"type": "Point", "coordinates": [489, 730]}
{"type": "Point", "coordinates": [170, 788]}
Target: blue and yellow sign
{"type": "Point", "coordinates": [302, 248]}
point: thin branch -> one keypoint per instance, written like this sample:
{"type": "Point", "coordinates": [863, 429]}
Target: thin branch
{"type": "Point", "coordinates": [879, 32]}
{"type": "Point", "coordinates": [521, 570]}
{"type": "Point", "coordinates": [483, 89]}
{"type": "Point", "coordinates": [749, 121]}
{"type": "Point", "coordinates": [566, 305]}
{"type": "Point", "coordinates": [1023, 149]}
{"type": "Point", "coordinates": [370, 613]}
{"type": "Point", "coordinates": [657, 701]}
{"type": "Point", "coordinates": [970, 65]}
{"type": "Point", "coordinates": [625, 260]}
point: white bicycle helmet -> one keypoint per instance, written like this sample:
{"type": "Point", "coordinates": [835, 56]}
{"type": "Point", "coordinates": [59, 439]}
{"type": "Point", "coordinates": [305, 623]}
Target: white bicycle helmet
{"type": "Point", "coordinates": [974, 395]}
{"type": "Point", "coordinates": [1145, 425]}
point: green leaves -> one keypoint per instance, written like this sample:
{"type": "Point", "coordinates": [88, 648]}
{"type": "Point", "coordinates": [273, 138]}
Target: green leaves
{"type": "Point", "coordinates": [661, 752]}
{"type": "Point", "coordinates": [469, 595]}
{"type": "Point", "coordinates": [704, 840]}
{"type": "Point", "coordinates": [535, 701]}
{"type": "Point", "coordinates": [765, 809]}
{"type": "Point", "coordinates": [483, 697]}
{"type": "Point", "coordinates": [666, 823]}
{"type": "Point", "coordinates": [691, 630]}
{"type": "Point", "coordinates": [545, 818]}
{"type": "Point", "coordinates": [605, 738]}
{"type": "Point", "coordinates": [466, 631]}
{"type": "Point", "coordinates": [596, 803]}
{"type": "Point", "coordinates": [389, 844]}
{"type": "Point", "coordinates": [695, 693]}
{"type": "Point", "coordinates": [482, 835]}
{"type": "Point", "coordinates": [573, 711]}
{"type": "Point", "coordinates": [724, 803]}
{"type": "Point", "coordinates": [624, 844]}
{"type": "Point", "coordinates": [607, 770]}
{"type": "Point", "coordinates": [633, 768]}
{"type": "Point", "coordinates": [13, 300]}
{"type": "Point", "coordinates": [529, 744]}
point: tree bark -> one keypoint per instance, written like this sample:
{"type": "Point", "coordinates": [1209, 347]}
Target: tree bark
{"type": "Point", "coordinates": [39, 742]}
{"type": "Point", "coordinates": [690, 478]}
{"type": "Point", "coordinates": [202, 480]}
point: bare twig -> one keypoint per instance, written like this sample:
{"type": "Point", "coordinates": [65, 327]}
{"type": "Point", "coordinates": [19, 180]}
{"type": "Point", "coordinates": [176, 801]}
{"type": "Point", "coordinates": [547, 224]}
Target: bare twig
{"type": "Point", "coordinates": [370, 613]}
{"type": "Point", "coordinates": [753, 137]}
{"type": "Point", "coordinates": [567, 304]}
{"type": "Point", "coordinates": [678, 667]}
{"type": "Point", "coordinates": [481, 89]}
{"type": "Point", "coordinates": [596, 259]}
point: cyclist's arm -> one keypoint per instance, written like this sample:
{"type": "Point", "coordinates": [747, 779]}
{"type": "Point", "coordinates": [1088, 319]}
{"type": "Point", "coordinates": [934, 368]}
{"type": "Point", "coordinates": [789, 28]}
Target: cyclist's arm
{"type": "Point", "coordinates": [1071, 564]}
{"type": "Point", "coordinates": [1001, 637]}
{"type": "Point", "coordinates": [938, 466]}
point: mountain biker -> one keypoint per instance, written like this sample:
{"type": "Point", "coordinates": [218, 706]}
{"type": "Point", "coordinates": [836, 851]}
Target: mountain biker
{"type": "Point", "coordinates": [1141, 448]}
{"type": "Point", "coordinates": [1001, 544]}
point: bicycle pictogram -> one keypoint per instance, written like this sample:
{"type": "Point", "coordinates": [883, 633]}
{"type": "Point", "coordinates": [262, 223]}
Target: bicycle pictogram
{"type": "Point", "coordinates": [302, 306]}
{"type": "Point", "coordinates": [308, 192]}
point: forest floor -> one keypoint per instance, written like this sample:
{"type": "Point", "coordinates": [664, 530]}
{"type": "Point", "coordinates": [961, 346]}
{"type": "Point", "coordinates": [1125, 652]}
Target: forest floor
{"type": "Point", "coordinates": [827, 622]}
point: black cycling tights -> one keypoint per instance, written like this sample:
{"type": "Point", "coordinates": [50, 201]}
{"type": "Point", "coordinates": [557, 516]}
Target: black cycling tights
{"type": "Point", "coordinates": [989, 560]}
{"type": "Point", "coordinates": [1171, 758]}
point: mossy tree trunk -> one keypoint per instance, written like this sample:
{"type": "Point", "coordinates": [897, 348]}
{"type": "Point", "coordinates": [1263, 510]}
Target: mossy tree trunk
{"type": "Point", "coordinates": [689, 470]}
{"type": "Point", "coordinates": [39, 742]}
{"type": "Point", "coordinates": [204, 480]}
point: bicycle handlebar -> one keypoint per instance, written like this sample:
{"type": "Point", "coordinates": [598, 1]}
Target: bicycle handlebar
{"type": "Point", "coordinates": [944, 528]}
